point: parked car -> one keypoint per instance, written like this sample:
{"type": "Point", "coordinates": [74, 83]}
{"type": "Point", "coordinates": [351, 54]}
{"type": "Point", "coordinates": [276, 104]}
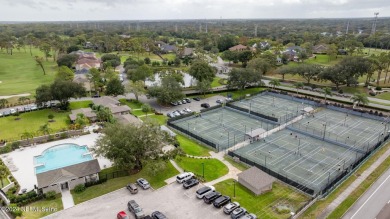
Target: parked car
{"type": "Point", "coordinates": [27, 108]}
{"type": "Point", "coordinates": [132, 188]}
{"type": "Point", "coordinates": [188, 100]}
{"type": "Point", "coordinates": [211, 197]}
{"type": "Point", "coordinates": [184, 177]}
{"type": "Point", "coordinates": [143, 183]}
{"type": "Point", "coordinates": [20, 109]}
{"type": "Point", "coordinates": [205, 105]}
{"type": "Point", "coordinates": [249, 216]}
{"type": "Point", "coordinates": [190, 183]}
{"type": "Point", "coordinates": [230, 207]}
{"type": "Point", "coordinates": [33, 107]}
{"type": "Point", "coordinates": [237, 213]}
{"type": "Point", "coordinates": [187, 110]}
{"type": "Point", "coordinates": [182, 112]}
{"type": "Point", "coordinates": [174, 103]}
{"type": "Point", "coordinates": [179, 102]}
{"type": "Point", "coordinates": [221, 201]}
{"type": "Point", "coordinates": [184, 101]}
{"type": "Point", "coordinates": [176, 113]}
{"type": "Point", "coordinates": [135, 209]}
{"type": "Point", "coordinates": [196, 98]}
{"type": "Point", "coordinates": [219, 101]}
{"type": "Point", "coordinates": [6, 113]}
{"type": "Point", "coordinates": [170, 115]}
{"type": "Point", "coordinates": [1, 114]}
{"type": "Point", "coordinates": [22, 191]}
{"type": "Point", "coordinates": [228, 99]}
{"type": "Point", "coordinates": [122, 215]}
{"type": "Point", "coordinates": [12, 111]}
{"type": "Point", "coordinates": [158, 215]}
{"type": "Point", "coordinates": [200, 193]}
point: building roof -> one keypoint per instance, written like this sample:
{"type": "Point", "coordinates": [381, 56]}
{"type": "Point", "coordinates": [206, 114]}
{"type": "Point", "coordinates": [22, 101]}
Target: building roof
{"type": "Point", "coordinates": [256, 178]}
{"type": "Point", "coordinates": [86, 111]}
{"type": "Point", "coordinates": [255, 132]}
{"type": "Point", "coordinates": [188, 51]}
{"type": "Point", "coordinates": [67, 173]}
{"type": "Point", "coordinates": [88, 61]}
{"type": "Point", "coordinates": [321, 48]}
{"type": "Point", "coordinates": [118, 109]}
{"type": "Point", "coordinates": [170, 132]}
{"type": "Point", "coordinates": [105, 101]}
{"type": "Point", "coordinates": [238, 47]}
{"type": "Point", "coordinates": [128, 119]}
{"type": "Point", "coordinates": [168, 48]}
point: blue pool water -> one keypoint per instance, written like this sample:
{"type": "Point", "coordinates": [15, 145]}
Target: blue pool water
{"type": "Point", "coordinates": [61, 156]}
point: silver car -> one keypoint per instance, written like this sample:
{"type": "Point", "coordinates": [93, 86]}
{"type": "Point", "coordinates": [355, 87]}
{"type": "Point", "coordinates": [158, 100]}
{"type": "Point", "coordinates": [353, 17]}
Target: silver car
{"type": "Point", "coordinates": [143, 183]}
{"type": "Point", "coordinates": [230, 207]}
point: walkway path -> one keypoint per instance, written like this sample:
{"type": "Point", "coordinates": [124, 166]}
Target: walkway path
{"type": "Point", "coordinates": [233, 171]}
{"type": "Point", "coordinates": [332, 206]}
{"type": "Point", "coordinates": [67, 199]}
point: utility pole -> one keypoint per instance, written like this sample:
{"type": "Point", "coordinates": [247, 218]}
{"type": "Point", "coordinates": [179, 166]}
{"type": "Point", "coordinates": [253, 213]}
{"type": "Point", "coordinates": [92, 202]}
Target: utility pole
{"type": "Point", "coordinates": [256, 30]}
{"type": "Point", "coordinates": [373, 30]}
{"type": "Point", "coordinates": [175, 27]}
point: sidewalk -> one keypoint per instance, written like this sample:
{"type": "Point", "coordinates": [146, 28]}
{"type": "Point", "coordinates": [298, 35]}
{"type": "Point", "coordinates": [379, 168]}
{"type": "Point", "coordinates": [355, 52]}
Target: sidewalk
{"type": "Point", "coordinates": [67, 199]}
{"type": "Point", "coordinates": [332, 206]}
{"type": "Point", "coordinates": [233, 171]}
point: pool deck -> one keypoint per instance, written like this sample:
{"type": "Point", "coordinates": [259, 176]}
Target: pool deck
{"type": "Point", "coordinates": [23, 159]}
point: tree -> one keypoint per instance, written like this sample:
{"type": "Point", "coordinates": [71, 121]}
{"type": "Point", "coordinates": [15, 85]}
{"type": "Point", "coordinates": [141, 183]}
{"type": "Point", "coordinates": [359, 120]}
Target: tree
{"type": "Point", "coordinates": [44, 129]}
{"type": "Point", "coordinates": [327, 92]}
{"type": "Point", "coordinates": [128, 146]}
{"type": "Point", "coordinates": [23, 100]}
{"type": "Point", "coordinates": [244, 57]}
{"type": "Point", "coordinates": [298, 85]}
{"type": "Point", "coordinates": [203, 86]}
{"type": "Point", "coordinates": [140, 74]}
{"type": "Point", "coordinates": [45, 48]}
{"type": "Point", "coordinates": [146, 108]}
{"type": "Point", "coordinates": [147, 60]}
{"type": "Point", "coordinates": [50, 117]}
{"type": "Point", "coordinates": [81, 120]}
{"type": "Point", "coordinates": [3, 174]}
{"type": "Point", "coordinates": [95, 77]}
{"type": "Point", "coordinates": [137, 88]}
{"type": "Point", "coordinates": [177, 61]}
{"type": "Point", "coordinates": [111, 60]}
{"type": "Point", "coordinates": [226, 41]}
{"type": "Point", "coordinates": [104, 114]}
{"type": "Point", "coordinates": [64, 90]}
{"type": "Point", "coordinates": [73, 48]}
{"type": "Point", "coordinates": [115, 87]}
{"type": "Point", "coordinates": [168, 91]}
{"type": "Point", "coordinates": [331, 51]}
{"type": "Point", "coordinates": [65, 73]}
{"type": "Point", "coordinates": [43, 94]}
{"type": "Point", "coordinates": [260, 65]}
{"type": "Point", "coordinates": [284, 70]}
{"type": "Point", "coordinates": [3, 103]}
{"type": "Point", "coordinates": [241, 78]}
{"type": "Point", "coordinates": [381, 64]}
{"type": "Point", "coordinates": [308, 71]}
{"type": "Point", "coordinates": [274, 83]}
{"type": "Point", "coordinates": [39, 61]}
{"type": "Point", "coordinates": [360, 98]}
{"type": "Point", "coordinates": [67, 60]}
{"type": "Point", "coordinates": [200, 70]}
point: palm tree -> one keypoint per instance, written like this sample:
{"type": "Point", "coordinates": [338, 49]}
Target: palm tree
{"type": "Point", "coordinates": [81, 120]}
{"type": "Point", "coordinates": [39, 61]}
{"type": "Point", "coordinates": [3, 174]}
{"type": "Point", "coordinates": [327, 91]}
{"type": "Point", "coordinates": [3, 102]}
{"type": "Point", "coordinates": [360, 98]}
{"type": "Point", "coordinates": [274, 83]}
{"type": "Point", "coordinates": [146, 108]}
{"type": "Point", "coordinates": [298, 86]}
{"type": "Point", "coordinates": [27, 135]}
{"type": "Point", "coordinates": [44, 129]}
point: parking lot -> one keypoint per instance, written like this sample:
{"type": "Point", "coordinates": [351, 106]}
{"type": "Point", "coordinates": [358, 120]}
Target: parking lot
{"type": "Point", "coordinates": [194, 105]}
{"type": "Point", "coordinates": [172, 200]}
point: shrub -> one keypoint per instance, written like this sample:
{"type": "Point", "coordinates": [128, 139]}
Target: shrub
{"type": "Point", "coordinates": [92, 183]}
{"type": "Point", "coordinates": [378, 88]}
{"type": "Point", "coordinates": [50, 195]}
{"type": "Point", "coordinates": [5, 149]}
{"type": "Point", "coordinates": [63, 135]}
{"type": "Point", "coordinates": [15, 145]}
{"type": "Point", "coordinates": [79, 188]}
{"type": "Point", "coordinates": [15, 210]}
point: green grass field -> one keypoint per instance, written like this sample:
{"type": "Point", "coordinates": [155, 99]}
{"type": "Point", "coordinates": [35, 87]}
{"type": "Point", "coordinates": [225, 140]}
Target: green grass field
{"type": "Point", "coordinates": [215, 82]}
{"type": "Point", "coordinates": [383, 96]}
{"type": "Point", "coordinates": [42, 208]}
{"type": "Point", "coordinates": [235, 94]}
{"type": "Point", "coordinates": [79, 104]}
{"type": "Point", "coordinates": [12, 129]}
{"type": "Point", "coordinates": [213, 168]}
{"type": "Point", "coordinates": [264, 205]}
{"type": "Point", "coordinates": [161, 119]}
{"type": "Point", "coordinates": [191, 147]}
{"type": "Point", "coordinates": [156, 182]}
{"type": "Point", "coordinates": [324, 60]}
{"type": "Point", "coordinates": [19, 73]}
{"type": "Point", "coordinates": [237, 165]}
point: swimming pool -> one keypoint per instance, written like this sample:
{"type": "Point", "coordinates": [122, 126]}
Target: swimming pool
{"type": "Point", "coordinates": [61, 156]}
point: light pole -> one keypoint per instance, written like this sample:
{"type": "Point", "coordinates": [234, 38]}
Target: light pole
{"type": "Point", "coordinates": [324, 130]}
{"type": "Point", "coordinates": [234, 184]}
{"type": "Point", "coordinates": [345, 119]}
{"type": "Point", "coordinates": [203, 170]}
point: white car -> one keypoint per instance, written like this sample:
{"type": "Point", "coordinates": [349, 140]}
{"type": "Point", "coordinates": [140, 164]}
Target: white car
{"type": "Point", "coordinates": [184, 177]}
{"type": "Point", "coordinates": [12, 111]}
{"type": "Point", "coordinates": [143, 183]}
{"type": "Point", "coordinates": [187, 110]}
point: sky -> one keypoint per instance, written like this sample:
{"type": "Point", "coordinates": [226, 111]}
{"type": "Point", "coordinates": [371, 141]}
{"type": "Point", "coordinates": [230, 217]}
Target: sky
{"type": "Point", "coordinates": [76, 10]}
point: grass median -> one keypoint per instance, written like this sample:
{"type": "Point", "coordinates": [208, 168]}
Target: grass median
{"type": "Point", "coordinates": [42, 208]}
{"type": "Point", "coordinates": [213, 168]}
{"type": "Point", "coordinates": [191, 147]}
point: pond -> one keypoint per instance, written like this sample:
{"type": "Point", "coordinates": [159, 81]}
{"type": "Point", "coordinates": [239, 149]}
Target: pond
{"type": "Point", "coordinates": [189, 81]}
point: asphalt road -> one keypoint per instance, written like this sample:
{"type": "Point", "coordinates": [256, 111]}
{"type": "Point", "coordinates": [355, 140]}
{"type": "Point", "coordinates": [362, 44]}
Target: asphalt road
{"type": "Point", "coordinates": [373, 202]}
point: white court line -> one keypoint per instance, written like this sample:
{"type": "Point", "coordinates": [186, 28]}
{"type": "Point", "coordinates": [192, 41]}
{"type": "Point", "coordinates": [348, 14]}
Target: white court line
{"type": "Point", "coordinates": [370, 196]}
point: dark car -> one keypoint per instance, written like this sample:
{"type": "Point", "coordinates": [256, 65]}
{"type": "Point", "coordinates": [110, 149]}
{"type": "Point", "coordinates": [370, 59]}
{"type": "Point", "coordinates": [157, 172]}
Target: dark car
{"type": "Point", "coordinates": [205, 105]}
{"type": "Point", "coordinates": [221, 201]}
{"type": "Point", "coordinates": [196, 98]}
{"type": "Point", "coordinates": [190, 183]}
{"type": "Point", "coordinates": [237, 213]}
{"type": "Point", "coordinates": [174, 103]}
{"type": "Point", "coordinates": [188, 100]}
{"type": "Point", "coordinates": [158, 215]}
{"type": "Point", "coordinates": [211, 197]}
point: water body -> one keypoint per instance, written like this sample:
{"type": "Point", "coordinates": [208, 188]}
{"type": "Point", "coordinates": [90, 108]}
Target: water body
{"type": "Point", "coordinates": [189, 81]}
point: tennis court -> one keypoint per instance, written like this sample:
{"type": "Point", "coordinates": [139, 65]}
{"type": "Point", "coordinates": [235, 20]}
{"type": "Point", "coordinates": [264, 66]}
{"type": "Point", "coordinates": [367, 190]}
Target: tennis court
{"type": "Point", "coordinates": [224, 127]}
{"type": "Point", "coordinates": [356, 131]}
{"type": "Point", "coordinates": [311, 162]}
{"type": "Point", "coordinates": [283, 109]}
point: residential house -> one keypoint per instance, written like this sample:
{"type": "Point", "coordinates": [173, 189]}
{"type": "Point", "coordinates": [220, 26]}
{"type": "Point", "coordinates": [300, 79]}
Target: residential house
{"type": "Point", "coordinates": [86, 61]}
{"type": "Point", "coordinates": [320, 49]}
{"type": "Point", "coordinates": [262, 45]}
{"type": "Point", "coordinates": [87, 112]}
{"type": "Point", "coordinates": [342, 52]}
{"type": "Point", "coordinates": [166, 48]}
{"type": "Point", "coordinates": [82, 79]}
{"type": "Point", "coordinates": [238, 47]}
{"type": "Point", "coordinates": [292, 52]}
{"type": "Point", "coordinates": [186, 52]}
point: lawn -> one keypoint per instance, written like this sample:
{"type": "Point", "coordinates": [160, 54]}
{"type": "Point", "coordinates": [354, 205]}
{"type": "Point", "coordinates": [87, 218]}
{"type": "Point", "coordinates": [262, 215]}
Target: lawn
{"type": "Point", "coordinates": [4, 182]}
{"type": "Point", "coordinates": [264, 206]}
{"type": "Point", "coordinates": [133, 104]}
{"type": "Point", "coordinates": [324, 60]}
{"type": "Point", "coordinates": [213, 168]}
{"type": "Point", "coordinates": [161, 119]}
{"type": "Point", "coordinates": [235, 94]}
{"type": "Point", "coordinates": [383, 96]}
{"type": "Point", "coordinates": [42, 208]}
{"type": "Point", "coordinates": [191, 147]}
{"type": "Point", "coordinates": [353, 90]}
{"type": "Point", "coordinates": [11, 129]}
{"type": "Point", "coordinates": [215, 82]}
{"type": "Point", "coordinates": [19, 73]}
{"type": "Point", "coordinates": [237, 165]}
{"type": "Point", "coordinates": [316, 209]}
{"type": "Point", "coordinates": [79, 104]}
{"type": "Point", "coordinates": [156, 182]}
